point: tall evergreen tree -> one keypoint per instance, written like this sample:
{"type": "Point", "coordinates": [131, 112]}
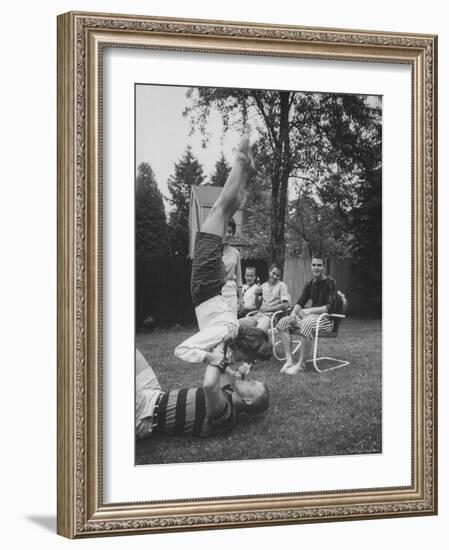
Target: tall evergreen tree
{"type": "Point", "coordinates": [188, 172]}
{"type": "Point", "coordinates": [221, 173]}
{"type": "Point", "coordinates": [151, 224]}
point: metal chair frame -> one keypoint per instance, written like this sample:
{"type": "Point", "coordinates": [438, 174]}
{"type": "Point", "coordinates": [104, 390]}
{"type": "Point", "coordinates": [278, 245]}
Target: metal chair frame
{"type": "Point", "coordinates": [296, 343]}
{"type": "Point", "coordinates": [332, 334]}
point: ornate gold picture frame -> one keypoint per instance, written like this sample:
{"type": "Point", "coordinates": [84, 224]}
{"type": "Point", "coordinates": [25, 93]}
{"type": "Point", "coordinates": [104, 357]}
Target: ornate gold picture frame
{"type": "Point", "coordinates": [82, 41]}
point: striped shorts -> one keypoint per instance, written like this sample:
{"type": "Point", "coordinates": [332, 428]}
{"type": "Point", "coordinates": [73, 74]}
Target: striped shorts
{"type": "Point", "coordinates": [306, 327]}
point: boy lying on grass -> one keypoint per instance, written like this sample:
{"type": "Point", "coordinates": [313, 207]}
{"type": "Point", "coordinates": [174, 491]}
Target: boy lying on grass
{"type": "Point", "coordinates": [204, 411]}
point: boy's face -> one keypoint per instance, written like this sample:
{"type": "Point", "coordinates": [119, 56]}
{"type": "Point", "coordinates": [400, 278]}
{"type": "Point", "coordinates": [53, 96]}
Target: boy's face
{"type": "Point", "coordinates": [275, 275]}
{"type": "Point", "coordinates": [317, 267]}
{"type": "Point", "coordinates": [250, 277]}
{"type": "Point", "coordinates": [248, 388]}
{"type": "Point", "coordinates": [239, 356]}
{"type": "Point", "coordinates": [228, 235]}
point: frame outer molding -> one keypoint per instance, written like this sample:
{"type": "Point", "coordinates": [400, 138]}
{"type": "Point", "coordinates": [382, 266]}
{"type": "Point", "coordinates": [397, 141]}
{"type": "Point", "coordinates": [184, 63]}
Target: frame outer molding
{"type": "Point", "coordinates": [66, 351]}
{"type": "Point", "coordinates": [81, 36]}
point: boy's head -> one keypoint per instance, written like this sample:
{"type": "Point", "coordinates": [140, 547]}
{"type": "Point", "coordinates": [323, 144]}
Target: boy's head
{"type": "Point", "coordinates": [274, 273]}
{"type": "Point", "coordinates": [230, 230]}
{"type": "Point", "coordinates": [317, 265]}
{"type": "Point", "coordinates": [253, 395]}
{"type": "Point", "coordinates": [250, 275]}
{"type": "Point", "coordinates": [250, 344]}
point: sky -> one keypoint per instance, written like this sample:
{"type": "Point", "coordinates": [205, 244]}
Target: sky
{"type": "Point", "coordinates": [162, 133]}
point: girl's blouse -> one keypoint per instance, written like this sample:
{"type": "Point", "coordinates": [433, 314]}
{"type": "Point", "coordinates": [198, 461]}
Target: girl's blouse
{"type": "Point", "coordinates": [231, 260]}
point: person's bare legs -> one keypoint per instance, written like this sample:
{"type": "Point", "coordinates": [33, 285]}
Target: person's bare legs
{"type": "Point", "coordinates": [232, 193]}
{"type": "Point", "coordinates": [286, 338]}
{"type": "Point", "coordinates": [306, 346]}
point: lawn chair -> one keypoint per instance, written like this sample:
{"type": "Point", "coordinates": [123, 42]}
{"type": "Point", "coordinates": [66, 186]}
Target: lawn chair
{"type": "Point", "coordinates": [342, 306]}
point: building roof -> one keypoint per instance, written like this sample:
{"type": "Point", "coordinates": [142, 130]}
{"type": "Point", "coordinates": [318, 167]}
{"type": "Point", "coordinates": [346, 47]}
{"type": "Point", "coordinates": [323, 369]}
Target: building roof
{"type": "Point", "coordinates": [206, 195]}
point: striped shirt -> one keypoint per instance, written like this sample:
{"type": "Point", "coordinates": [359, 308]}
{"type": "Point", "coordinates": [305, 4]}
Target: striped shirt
{"type": "Point", "coordinates": [184, 411]}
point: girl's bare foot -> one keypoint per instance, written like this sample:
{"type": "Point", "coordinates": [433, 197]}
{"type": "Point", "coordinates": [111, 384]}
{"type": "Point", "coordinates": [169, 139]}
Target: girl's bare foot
{"type": "Point", "coordinates": [245, 153]}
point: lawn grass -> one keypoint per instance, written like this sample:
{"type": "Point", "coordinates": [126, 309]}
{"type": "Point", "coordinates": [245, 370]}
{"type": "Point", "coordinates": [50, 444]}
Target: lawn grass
{"type": "Point", "coordinates": [310, 414]}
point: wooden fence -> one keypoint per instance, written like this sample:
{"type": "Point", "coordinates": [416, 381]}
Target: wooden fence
{"type": "Point", "coordinates": [163, 286]}
{"type": "Point", "coordinates": [163, 290]}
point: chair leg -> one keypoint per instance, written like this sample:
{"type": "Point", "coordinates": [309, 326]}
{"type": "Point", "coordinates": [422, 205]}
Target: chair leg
{"type": "Point", "coordinates": [276, 344]}
{"type": "Point", "coordinates": [278, 349]}
{"type": "Point", "coordinates": [339, 363]}
{"type": "Point", "coordinates": [296, 348]}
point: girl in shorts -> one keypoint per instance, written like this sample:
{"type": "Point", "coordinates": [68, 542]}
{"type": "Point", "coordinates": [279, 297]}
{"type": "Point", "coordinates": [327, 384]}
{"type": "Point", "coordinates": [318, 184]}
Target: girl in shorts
{"type": "Point", "coordinates": [218, 326]}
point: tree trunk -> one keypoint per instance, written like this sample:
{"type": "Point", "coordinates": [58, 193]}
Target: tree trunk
{"type": "Point", "coordinates": [279, 184]}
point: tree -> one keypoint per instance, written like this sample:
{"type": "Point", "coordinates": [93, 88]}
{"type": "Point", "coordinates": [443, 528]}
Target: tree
{"type": "Point", "coordinates": [269, 114]}
{"type": "Point", "coordinates": [366, 248]}
{"type": "Point", "coordinates": [221, 173]}
{"type": "Point", "coordinates": [308, 137]}
{"type": "Point", "coordinates": [188, 172]}
{"type": "Point", "coordinates": [256, 212]}
{"type": "Point", "coordinates": [151, 225]}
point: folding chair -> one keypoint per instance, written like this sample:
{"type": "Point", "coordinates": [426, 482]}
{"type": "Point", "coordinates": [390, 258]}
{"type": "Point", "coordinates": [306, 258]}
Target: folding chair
{"type": "Point", "coordinates": [337, 318]}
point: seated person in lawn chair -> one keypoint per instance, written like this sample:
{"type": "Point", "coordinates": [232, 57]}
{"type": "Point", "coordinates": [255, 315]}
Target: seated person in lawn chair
{"type": "Point", "coordinates": [251, 296]}
{"type": "Point", "coordinates": [275, 297]}
{"type": "Point", "coordinates": [203, 411]}
{"type": "Point", "coordinates": [321, 290]}
{"type": "Point", "coordinates": [218, 325]}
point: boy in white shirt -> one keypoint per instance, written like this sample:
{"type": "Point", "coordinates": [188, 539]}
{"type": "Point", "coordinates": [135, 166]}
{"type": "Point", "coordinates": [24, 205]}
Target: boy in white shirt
{"type": "Point", "coordinates": [275, 297]}
{"type": "Point", "coordinates": [250, 298]}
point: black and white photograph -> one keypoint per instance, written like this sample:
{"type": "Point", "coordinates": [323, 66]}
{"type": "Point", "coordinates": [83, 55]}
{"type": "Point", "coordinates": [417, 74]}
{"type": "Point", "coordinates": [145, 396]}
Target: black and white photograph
{"type": "Point", "coordinates": [258, 274]}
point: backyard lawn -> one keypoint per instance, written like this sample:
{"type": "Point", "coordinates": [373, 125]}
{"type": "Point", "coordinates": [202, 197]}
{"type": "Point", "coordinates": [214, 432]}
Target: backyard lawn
{"type": "Point", "coordinates": [310, 414]}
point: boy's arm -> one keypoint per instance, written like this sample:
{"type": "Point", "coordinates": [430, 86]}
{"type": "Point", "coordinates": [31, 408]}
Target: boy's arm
{"type": "Point", "coordinates": [302, 300]}
{"type": "Point", "coordinates": [270, 309]}
{"type": "Point", "coordinates": [238, 276]}
{"type": "Point", "coordinates": [215, 400]}
{"type": "Point", "coordinates": [317, 310]}
{"type": "Point", "coordinates": [257, 298]}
